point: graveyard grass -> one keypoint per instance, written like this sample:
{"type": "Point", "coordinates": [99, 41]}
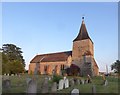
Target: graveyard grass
{"type": "Point", "coordinates": [19, 85]}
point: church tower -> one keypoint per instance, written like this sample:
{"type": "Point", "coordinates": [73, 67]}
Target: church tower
{"type": "Point", "coordinates": [83, 52]}
{"type": "Point", "coordinates": [82, 44]}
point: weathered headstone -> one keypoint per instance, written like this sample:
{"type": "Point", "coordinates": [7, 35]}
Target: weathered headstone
{"type": "Point", "coordinates": [82, 81]}
{"type": "Point", "coordinates": [77, 81]}
{"type": "Point", "coordinates": [45, 86]}
{"type": "Point", "coordinates": [7, 74]}
{"type": "Point", "coordinates": [93, 89]}
{"type": "Point", "coordinates": [86, 81]}
{"type": "Point", "coordinates": [61, 84]}
{"type": "Point", "coordinates": [12, 74]}
{"type": "Point", "coordinates": [6, 83]}
{"type": "Point", "coordinates": [49, 78]}
{"type": "Point", "coordinates": [106, 83]}
{"type": "Point", "coordinates": [75, 92]}
{"type": "Point", "coordinates": [54, 87]}
{"type": "Point", "coordinates": [71, 82]}
{"type": "Point", "coordinates": [66, 82]}
{"type": "Point", "coordinates": [28, 80]}
{"type": "Point", "coordinates": [32, 86]}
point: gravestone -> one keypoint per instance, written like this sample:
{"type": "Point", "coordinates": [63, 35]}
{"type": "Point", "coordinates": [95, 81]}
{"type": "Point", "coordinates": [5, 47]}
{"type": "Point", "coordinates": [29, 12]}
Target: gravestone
{"type": "Point", "coordinates": [66, 82]}
{"type": "Point", "coordinates": [105, 83]}
{"type": "Point", "coordinates": [75, 92]}
{"type": "Point", "coordinates": [61, 84]}
{"type": "Point", "coordinates": [49, 78]}
{"type": "Point", "coordinates": [7, 74]}
{"type": "Point", "coordinates": [77, 81]}
{"type": "Point", "coordinates": [54, 87]}
{"type": "Point", "coordinates": [71, 82]}
{"type": "Point", "coordinates": [93, 89]}
{"type": "Point", "coordinates": [28, 80]}
{"type": "Point", "coordinates": [82, 81]}
{"type": "Point", "coordinates": [6, 83]}
{"type": "Point", "coordinates": [45, 86]}
{"type": "Point", "coordinates": [86, 81]}
{"type": "Point", "coordinates": [64, 77]}
{"type": "Point", "coordinates": [89, 80]}
{"type": "Point", "coordinates": [19, 75]}
{"type": "Point", "coordinates": [12, 74]}
{"type": "Point", "coordinates": [32, 86]}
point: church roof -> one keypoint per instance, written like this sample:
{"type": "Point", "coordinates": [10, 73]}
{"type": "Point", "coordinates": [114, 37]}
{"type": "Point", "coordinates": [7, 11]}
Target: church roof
{"type": "Point", "coordinates": [52, 57]}
{"type": "Point", "coordinates": [83, 34]}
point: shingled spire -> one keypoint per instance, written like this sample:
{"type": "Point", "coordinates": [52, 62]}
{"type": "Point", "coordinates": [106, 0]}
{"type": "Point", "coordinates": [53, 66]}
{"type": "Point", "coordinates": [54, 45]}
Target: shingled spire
{"type": "Point", "coordinates": [83, 34]}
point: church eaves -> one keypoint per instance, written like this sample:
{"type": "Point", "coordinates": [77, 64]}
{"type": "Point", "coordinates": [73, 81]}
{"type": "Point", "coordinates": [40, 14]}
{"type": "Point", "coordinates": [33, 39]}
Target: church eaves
{"type": "Point", "coordinates": [83, 34]}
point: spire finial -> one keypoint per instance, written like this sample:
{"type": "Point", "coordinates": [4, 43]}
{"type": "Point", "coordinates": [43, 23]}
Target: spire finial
{"type": "Point", "coordinates": [82, 17]}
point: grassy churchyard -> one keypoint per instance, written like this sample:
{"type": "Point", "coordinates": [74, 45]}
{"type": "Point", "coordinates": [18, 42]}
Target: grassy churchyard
{"type": "Point", "coordinates": [18, 84]}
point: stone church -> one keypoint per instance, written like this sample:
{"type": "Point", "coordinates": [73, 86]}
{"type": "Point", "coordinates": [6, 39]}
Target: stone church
{"type": "Point", "coordinates": [79, 61]}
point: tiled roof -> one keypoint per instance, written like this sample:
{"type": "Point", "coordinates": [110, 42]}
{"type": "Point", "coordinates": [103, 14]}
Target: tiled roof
{"type": "Point", "coordinates": [52, 57]}
{"type": "Point", "coordinates": [83, 34]}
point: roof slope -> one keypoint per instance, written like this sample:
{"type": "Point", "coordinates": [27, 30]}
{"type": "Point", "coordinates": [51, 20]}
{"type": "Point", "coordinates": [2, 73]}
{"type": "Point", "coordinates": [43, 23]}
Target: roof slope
{"type": "Point", "coordinates": [52, 57]}
{"type": "Point", "coordinates": [83, 34]}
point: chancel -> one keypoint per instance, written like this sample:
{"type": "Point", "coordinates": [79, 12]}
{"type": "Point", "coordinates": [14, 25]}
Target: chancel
{"type": "Point", "coordinates": [79, 61]}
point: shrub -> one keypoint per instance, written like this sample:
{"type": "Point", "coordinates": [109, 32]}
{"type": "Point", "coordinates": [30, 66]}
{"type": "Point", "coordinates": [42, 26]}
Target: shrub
{"type": "Point", "coordinates": [56, 78]}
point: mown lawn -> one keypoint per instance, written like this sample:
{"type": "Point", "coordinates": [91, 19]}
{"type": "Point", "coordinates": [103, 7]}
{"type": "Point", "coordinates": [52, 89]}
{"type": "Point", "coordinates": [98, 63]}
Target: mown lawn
{"type": "Point", "coordinates": [19, 85]}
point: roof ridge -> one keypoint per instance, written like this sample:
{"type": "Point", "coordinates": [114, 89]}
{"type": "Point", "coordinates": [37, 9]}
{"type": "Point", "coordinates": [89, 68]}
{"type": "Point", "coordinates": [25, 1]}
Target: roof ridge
{"type": "Point", "coordinates": [54, 53]}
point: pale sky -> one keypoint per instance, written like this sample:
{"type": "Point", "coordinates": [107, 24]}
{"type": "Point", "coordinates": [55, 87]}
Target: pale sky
{"type": "Point", "coordinates": [40, 28]}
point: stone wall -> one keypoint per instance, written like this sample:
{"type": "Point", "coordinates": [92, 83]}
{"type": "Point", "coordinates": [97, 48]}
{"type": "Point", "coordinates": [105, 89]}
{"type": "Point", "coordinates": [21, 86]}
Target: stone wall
{"type": "Point", "coordinates": [80, 47]}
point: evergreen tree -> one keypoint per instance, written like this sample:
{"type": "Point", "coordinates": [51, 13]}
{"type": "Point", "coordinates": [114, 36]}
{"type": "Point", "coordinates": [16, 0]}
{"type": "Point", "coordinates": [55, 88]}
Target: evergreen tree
{"type": "Point", "coordinates": [116, 66]}
{"type": "Point", "coordinates": [12, 59]}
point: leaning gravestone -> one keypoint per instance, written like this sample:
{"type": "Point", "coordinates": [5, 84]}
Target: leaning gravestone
{"type": "Point", "coordinates": [54, 87]}
{"type": "Point", "coordinates": [6, 83]}
{"type": "Point", "coordinates": [75, 92]}
{"type": "Point", "coordinates": [66, 82]}
{"type": "Point", "coordinates": [32, 86]}
{"type": "Point", "coordinates": [61, 84]}
{"type": "Point", "coordinates": [45, 86]}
